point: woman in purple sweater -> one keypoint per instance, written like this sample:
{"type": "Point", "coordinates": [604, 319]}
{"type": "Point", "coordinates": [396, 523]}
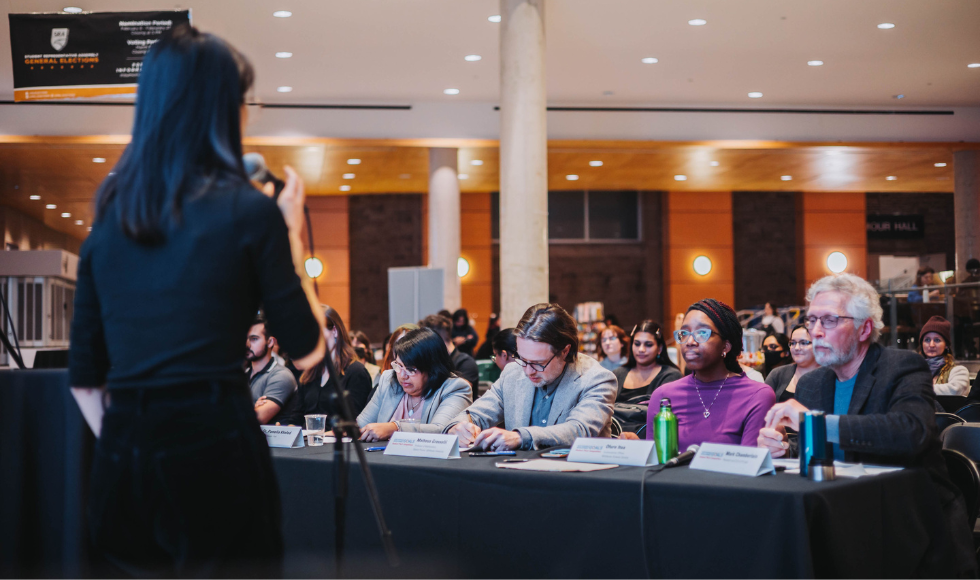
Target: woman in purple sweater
{"type": "Point", "coordinates": [716, 403]}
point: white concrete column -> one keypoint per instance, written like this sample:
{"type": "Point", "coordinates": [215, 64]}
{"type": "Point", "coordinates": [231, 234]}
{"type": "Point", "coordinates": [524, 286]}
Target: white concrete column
{"type": "Point", "coordinates": [523, 159]}
{"type": "Point", "coordinates": [444, 221]}
{"type": "Point", "coordinates": [966, 208]}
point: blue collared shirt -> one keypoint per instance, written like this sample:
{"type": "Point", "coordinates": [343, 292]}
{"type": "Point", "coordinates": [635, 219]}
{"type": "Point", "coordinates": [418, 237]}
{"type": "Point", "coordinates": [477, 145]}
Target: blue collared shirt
{"type": "Point", "coordinates": [842, 401]}
{"type": "Point", "coordinates": [540, 409]}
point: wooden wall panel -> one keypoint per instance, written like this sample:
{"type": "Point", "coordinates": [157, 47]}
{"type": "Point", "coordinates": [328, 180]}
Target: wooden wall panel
{"type": "Point", "coordinates": [833, 222]}
{"type": "Point", "coordinates": [331, 240]}
{"type": "Point", "coordinates": [476, 247]}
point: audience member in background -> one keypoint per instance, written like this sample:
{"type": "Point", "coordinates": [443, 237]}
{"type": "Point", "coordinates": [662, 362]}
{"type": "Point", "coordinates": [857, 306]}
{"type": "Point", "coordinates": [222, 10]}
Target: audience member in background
{"type": "Point", "coordinates": [553, 394]}
{"type": "Point", "coordinates": [315, 397]}
{"type": "Point", "coordinates": [611, 320]}
{"type": "Point", "coordinates": [783, 380]}
{"type": "Point", "coordinates": [948, 378]}
{"type": "Point", "coordinates": [362, 354]}
{"type": "Point", "coordinates": [878, 401]}
{"type": "Point", "coordinates": [445, 313]}
{"type": "Point", "coordinates": [464, 364]}
{"type": "Point", "coordinates": [504, 348]}
{"type": "Point", "coordinates": [716, 403]}
{"type": "Point", "coordinates": [923, 277]}
{"type": "Point", "coordinates": [647, 366]}
{"type": "Point", "coordinates": [486, 349]}
{"type": "Point", "coordinates": [420, 393]}
{"type": "Point", "coordinates": [771, 321]}
{"type": "Point", "coordinates": [464, 336]}
{"type": "Point", "coordinates": [389, 346]}
{"type": "Point", "coordinates": [775, 348]}
{"type": "Point", "coordinates": [273, 386]}
{"type": "Point", "coordinates": [614, 347]}
{"type": "Point", "coordinates": [358, 338]}
{"type": "Point", "coordinates": [966, 311]}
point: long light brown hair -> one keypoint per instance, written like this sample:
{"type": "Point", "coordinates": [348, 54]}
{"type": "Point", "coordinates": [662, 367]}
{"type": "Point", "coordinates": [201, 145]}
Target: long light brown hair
{"type": "Point", "coordinates": [343, 354]}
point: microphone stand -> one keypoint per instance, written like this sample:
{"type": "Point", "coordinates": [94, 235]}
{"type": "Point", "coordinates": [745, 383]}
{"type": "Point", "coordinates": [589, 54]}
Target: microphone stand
{"type": "Point", "coordinates": [344, 423]}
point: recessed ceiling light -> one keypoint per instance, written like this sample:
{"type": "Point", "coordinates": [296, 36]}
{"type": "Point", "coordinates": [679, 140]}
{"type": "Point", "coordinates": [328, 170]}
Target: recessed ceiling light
{"type": "Point", "coordinates": [51, 206]}
{"type": "Point", "coordinates": [755, 95]}
{"type": "Point", "coordinates": [472, 58]}
{"type": "Point", "coordinates": [72, 9]}
{"type": "Point", "coordinates": [353, 162]}
{"type": "Point", "coordinates": [815, 62]}
{"type": "Point", "coordinates": [98, 160]}
{"type": "Point", "coordinates": [476, 162]}
{"type": "Point", "coordinates": [891, 178]}
{"type": "Point", "coordinates": [285, 89]}
{"type": "Point", "coordinates": [649, 60]}
{"type": "Point", "coordinates": [886, 25]}
{"type": "Point", "coordinates": [65, 215]}
{"type": "Point", "coordinates": [786, 177]}
{"type": "Point", "coordinates": [282, 13]}
{"type": "Point", "coordinates": [714, 164]}
{"type": "Point", "coordinates": [697, 22]}
{"type": "Point", "coordinates": [462, 176]}
{"type": "Point", "coordinates": [348, 176]}
{"type": "Point", "coordinates": [571, 177]}
{"type": "Point", "coordinates": [973, 65]}
{"type": "Point", "coordinates": [284, 54]}
{"type": "Point", "coordinates": [451, 91]}
{"type": "Point", "coordinates": [940, 164]}
{"type": "Point", "coordinates": [79, 222]}
{"type": "Point", "coordinates": [495, 18]}
{"type": "Point", "coordinates": [35, 197]}
{"type": "Point", "coordinates": [680, 178]}
{"type": "Point", "coordinates": [344, 188]}
{"type": "Point", "coordinates": [595, 163]}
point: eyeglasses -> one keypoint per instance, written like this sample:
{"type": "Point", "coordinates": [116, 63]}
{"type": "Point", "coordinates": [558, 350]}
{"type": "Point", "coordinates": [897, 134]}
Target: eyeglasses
{"type": "Point", "coordinates": [772, 347]}
{"type": "Point", "coordinates": [799, 343]}
{"type": "Point", "coordinates": [828, 321]}
{"type": "Point", "coordinates": [404, 370]}
{"type": "Point", "coordinates": [700, 335]}
{"type": "Point", "coordinates": [536, 366]}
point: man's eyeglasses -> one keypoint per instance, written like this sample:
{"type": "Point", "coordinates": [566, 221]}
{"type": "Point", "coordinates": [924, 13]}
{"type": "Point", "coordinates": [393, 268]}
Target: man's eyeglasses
{"type": "Point", "coordinates": [828, 321]}
{"type": "Point", "coordinates": [536, 366]}
{"type": "Point", "coordinates": [701, 335]}
{"type": "Point", "coordinates": [799, 343]}
{"type": "Point", "coordinates": [404, 370]}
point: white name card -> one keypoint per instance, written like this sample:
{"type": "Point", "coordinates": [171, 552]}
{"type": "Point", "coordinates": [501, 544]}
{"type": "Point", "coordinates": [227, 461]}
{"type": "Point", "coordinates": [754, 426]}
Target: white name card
{"type": "Point", "coordinates": [285, 437]}
{"type": "Point", "coordinates": [423, 445]}
{"type": "Point", "coordinates": [734, 459]}
{"type": "Point", "coordinates": [615, 451]}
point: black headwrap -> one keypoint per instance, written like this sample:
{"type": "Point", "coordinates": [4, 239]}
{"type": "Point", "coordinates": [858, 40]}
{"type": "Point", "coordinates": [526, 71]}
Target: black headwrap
{"type": "Point", "coordinates": [726, 321]}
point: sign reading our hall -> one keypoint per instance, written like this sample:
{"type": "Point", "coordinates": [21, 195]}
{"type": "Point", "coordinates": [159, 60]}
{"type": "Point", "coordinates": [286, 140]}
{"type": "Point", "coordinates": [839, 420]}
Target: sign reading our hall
{"type": "Point", "coordinates": [896, 227]}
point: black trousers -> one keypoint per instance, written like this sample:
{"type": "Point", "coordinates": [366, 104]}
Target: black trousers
{"type": "Point", "coordinates": [182, 486]}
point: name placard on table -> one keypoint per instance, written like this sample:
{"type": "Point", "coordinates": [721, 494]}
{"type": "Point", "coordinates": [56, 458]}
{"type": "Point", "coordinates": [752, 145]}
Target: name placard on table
{"type": "Point", "coordinates": [615, 451]}
{"type": "Point", "coordinates": [284, 437]}
{"type": "Point", "coordinates": [433, 446]}
{"type": "Point", "coordinates": [733, 459]}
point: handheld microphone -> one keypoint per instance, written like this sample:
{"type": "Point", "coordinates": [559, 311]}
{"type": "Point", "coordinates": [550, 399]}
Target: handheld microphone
{"type": "Point", "coordinates": [257, 170]}
{"type": "Point", "coordinates": [683, 458]}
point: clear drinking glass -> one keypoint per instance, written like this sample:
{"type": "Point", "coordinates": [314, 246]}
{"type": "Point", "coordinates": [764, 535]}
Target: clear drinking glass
{"type": "Point", "coordinates": [316, 429]}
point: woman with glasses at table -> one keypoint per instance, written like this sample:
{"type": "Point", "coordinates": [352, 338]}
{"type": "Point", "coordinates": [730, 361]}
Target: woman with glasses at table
{"type": "Point", "coordinates": [420, 393]}
{"type": "Point", "coordinates": [716, 403]}
{"type": "Point", "coordinates": [783, 380]}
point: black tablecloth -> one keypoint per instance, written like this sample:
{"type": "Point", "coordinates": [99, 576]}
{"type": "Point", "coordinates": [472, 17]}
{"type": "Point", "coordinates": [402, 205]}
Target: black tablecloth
{"type": "Point", "coordinates": [467, 518]}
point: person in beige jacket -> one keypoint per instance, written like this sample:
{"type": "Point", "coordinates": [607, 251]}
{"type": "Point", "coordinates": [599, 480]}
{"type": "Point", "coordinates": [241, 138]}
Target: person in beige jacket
{"type": "Point", "coordinates": [948, 378]}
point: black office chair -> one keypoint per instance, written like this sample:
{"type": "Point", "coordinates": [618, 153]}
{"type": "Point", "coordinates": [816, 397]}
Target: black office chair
{"type": "Point", "coordinates": [970, 413]}
{"type": "Point", "coordinates": [642, 431]}
{"type": "Point", "coordinates": [945, 420]}
{"type": "Point", "coordinates": [952, 403]}
{"type": "Point", "coordinates": [617, 428]}
{"type": "Point", "coordinates": [963, 471]}
{"type": "Point", "coordinates": [964, 438]}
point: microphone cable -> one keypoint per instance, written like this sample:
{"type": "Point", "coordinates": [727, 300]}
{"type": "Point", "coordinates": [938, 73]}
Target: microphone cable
{"type": "Point", "coordinates": [653, 469]}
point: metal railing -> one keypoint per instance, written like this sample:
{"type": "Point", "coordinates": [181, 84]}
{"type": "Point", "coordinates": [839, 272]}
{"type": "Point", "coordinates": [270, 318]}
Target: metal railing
{"type": "Point", "coordinates": [957, 303]}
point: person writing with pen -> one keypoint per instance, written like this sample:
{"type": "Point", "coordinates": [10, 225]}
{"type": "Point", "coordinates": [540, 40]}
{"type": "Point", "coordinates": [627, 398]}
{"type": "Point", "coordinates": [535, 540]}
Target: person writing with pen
{"type": "Point", "coordinates": [552, 394]}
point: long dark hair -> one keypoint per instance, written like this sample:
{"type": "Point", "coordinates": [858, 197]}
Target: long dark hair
{"type": "Point", "coordinates": [726, 321]}
{"type": "Point", "coordinates": [655, 329]}
{"type": "Point", "coordinates": [425, 350]}
{"type": "Point", "coordinates": [506, 341]}
{"type": "Point", "coordinates": [187, 127]}
{"type": "Point", "coordinates": [345, 350]}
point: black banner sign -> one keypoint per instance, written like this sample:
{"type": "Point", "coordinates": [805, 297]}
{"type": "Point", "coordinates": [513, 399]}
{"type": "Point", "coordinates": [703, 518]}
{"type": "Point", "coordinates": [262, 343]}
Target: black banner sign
{"type": "Point", "coordinates": [896, 227]}
{"type": "Point", "coordinates": [71, 56]}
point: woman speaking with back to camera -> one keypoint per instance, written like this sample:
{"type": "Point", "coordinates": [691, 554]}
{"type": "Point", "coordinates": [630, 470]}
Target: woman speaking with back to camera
{"type": "Point", "coordinates": [182, 254]}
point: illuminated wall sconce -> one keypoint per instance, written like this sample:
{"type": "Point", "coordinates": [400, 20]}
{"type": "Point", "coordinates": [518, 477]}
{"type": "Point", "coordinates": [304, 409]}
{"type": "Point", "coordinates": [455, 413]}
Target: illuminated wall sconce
{"type": "Point", "coordinates": [837, 262]}
{"type": "Point", "coordinates": [462, 267]}
{"type": "Point", "coordinates": [702, 265]}
{"type": "Point", "coordinates": [314, 267]}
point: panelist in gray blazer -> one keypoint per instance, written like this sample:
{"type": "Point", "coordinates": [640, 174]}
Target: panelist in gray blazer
{"type": "Point", "coordinates": [420, 393]}
{"type": "Point", "coordinates": [551, 396]}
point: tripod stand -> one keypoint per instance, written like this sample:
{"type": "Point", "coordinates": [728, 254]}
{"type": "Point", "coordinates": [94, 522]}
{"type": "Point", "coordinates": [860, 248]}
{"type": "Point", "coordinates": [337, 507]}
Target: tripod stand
{"type": "Point", "coordinates": [345, 424]}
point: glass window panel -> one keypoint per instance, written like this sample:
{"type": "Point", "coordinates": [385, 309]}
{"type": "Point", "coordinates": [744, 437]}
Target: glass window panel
{"type": "Point", "coordinates": [566, 215]}
{"type": "Point", "coordinates": [613, 215]}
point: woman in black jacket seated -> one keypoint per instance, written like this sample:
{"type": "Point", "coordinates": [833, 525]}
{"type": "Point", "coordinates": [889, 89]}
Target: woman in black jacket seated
{"type": "Point", "coordinates": [314, 395]}
{"type": "Point", "coordinates": [783, 379]}
{"type": "Point", "coordinates": [648, 366]}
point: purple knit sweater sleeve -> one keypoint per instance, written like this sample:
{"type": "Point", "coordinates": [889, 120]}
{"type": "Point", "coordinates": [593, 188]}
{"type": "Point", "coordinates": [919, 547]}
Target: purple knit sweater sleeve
{"type": "Point", "coordinates": [760, 403]}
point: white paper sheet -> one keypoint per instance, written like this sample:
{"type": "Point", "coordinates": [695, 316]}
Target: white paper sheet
{"type": "Point", "coordinates": [551, 465]}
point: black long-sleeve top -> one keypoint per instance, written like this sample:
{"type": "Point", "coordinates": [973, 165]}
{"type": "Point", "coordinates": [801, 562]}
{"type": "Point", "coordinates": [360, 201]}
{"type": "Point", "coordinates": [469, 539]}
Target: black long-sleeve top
{"type": "Point", "coordinates": [317, 399]}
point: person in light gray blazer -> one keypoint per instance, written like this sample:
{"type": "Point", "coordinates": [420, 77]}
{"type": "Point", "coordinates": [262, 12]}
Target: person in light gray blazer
{"type": "Point", "coordinates": [419, 394]}
{"type": "Point", "coordinates": [550, 397]}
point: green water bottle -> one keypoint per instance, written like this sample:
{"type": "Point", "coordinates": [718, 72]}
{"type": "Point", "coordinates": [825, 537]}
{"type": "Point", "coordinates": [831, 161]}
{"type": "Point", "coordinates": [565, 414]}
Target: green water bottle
{"type": "Point", "coordinates": [665, 432]}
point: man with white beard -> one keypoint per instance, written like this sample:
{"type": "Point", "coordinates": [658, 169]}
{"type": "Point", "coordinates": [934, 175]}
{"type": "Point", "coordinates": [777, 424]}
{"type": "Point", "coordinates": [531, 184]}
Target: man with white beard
{"type": "Point", "coordinates": [878, 403]}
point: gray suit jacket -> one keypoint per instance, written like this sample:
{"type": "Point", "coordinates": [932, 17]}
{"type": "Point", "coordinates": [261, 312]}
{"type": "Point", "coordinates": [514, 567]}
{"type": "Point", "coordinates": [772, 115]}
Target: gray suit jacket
{"type": "Point", "coordinates": [582, 407]}
{"type": "Point", "coordinates": [439, 407]}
